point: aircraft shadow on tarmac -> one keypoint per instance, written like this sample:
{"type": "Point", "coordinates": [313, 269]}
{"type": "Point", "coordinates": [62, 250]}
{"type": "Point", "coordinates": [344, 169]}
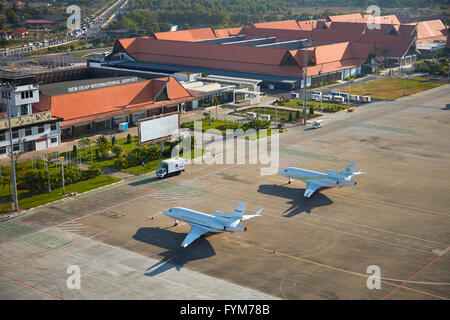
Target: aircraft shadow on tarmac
{"type": "Point", "coordinates": [175, 256]}
{"type": "Point", "coordinates": [298, 203]}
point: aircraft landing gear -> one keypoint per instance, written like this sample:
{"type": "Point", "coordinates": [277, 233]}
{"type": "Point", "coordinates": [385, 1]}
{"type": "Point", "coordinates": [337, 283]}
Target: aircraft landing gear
{"type": "Point", "coordinates": [176, 223]}
{"type": "Point", "coordinates": [290, 180]}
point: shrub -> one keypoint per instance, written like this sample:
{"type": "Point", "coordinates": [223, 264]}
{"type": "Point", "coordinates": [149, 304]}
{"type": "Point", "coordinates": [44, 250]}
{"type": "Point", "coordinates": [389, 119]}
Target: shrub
{"type": "Point", "coordinates": [36, 180]}
{"type": "Point", "coordinates": [113, 141]}
{"type": "Point", "coordinates": [290, 116]}
{"type": "Point", "coordinates": [129, 138]}
{"type": "Point", "coordinates": [120, 163]}
{"type": "Point", "coordinates": [117, 150]}
{"type": "Point", "coordinates": [311, 110]}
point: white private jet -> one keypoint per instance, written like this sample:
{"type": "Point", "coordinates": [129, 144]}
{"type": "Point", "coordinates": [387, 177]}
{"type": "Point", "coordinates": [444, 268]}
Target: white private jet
{"type": "Point", "coordinates": [316, 180]}
{"type": "Point", "coordinates": [202, 223]}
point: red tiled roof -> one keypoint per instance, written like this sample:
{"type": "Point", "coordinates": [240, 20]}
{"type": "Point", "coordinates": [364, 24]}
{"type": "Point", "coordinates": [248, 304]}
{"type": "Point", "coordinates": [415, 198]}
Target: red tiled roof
{"type": "Point", "coordinates": [389, 46]}
{"type": "Point", "coordinates": [332, 52]}
{"type": "Point", "coordinates": [259, 60]}
{"type": "Point", "coordinates": [187, 35]}
{"type": "Point", "coordinates": [206, 51]}
{"type": "Point", "coordinates": [356, 17]}
{"type": "Point", "coordinates": [359, 18]}
{"type": "Point", "coordinates": [384, 29]}
{"type": "Point", "coordinates": [82, 106]}
{"type": "Point", "coordinates": [429, 31]}
{"type": "Point", "coordinates": [335, 35]}
{"type": "Point", "coordinates": [222, 33]}
{"type": "Point", "coordinates": [309, 25]}
{"type": "Point", "coordinates": [285, 24]}
{"type": "Point", "coordinates": [280, 34]}
{"type": "Point", "coordinates": [348, 26]}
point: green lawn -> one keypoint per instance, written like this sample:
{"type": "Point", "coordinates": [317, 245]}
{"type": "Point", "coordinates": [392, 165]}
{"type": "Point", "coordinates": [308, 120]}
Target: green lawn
{"type": "Point", "coordinates": [27, 199]}
{"type": "Point", "coordinates": [207, 125]}
{"type": "Point", "coordinates": [391, 88]}
{"type": "Point", "coordinates": [282, 115]}
{"type": "Point", "coordinates": [326, 106]}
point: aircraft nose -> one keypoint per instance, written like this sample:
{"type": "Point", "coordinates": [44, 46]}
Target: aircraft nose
{"type": "Point", "coordinates": [282, 172]}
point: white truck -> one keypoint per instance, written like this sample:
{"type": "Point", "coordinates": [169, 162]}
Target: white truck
{"type": "Point", "coordinates": [170, 167]}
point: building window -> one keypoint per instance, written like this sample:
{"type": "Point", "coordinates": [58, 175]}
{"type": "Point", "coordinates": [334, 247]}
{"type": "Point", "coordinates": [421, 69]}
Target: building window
{"type": "Point", "coordinates": [41, 128]}
{"type": "Point", "coordinates": [24, 109]}
{"type": "Point", "coordinates": [22, 95]}
{"type": "Point", "coordinates": [3, 136]}
{"type": "Point", "coordinates": [28, 132]}
{"type": "Point", "coordinates": [31, 94]}
{"type": "Point", "coordinates": [15, 134]}
{"type": "Point", "coordinates": [54, 140]}
{"type": "Point", "coordinates": [53, 126]}
{"type": "Point", "coordinates": [16, 147]}
{"type": "Point", "coordinates": [3, 150]}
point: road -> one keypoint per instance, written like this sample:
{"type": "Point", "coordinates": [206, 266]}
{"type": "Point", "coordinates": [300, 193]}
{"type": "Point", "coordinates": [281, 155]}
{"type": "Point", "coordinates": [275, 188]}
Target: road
{"type": "Point", "coordinates": [92, 32]}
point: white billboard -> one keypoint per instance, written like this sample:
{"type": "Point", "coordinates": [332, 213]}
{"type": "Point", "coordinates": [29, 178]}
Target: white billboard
{"type": "Point", "coordinates": [157, 128]}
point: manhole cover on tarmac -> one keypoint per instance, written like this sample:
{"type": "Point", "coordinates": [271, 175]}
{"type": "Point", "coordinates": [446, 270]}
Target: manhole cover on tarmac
{"type": "Point", "coordinates": [112, 214]}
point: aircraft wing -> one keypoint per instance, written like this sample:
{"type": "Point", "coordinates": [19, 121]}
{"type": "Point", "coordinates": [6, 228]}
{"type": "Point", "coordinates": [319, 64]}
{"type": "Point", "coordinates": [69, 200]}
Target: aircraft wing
{"type": "Point", "coordinates": [310, 189]}
{"type": "Point", "coordinates": [195, 233]}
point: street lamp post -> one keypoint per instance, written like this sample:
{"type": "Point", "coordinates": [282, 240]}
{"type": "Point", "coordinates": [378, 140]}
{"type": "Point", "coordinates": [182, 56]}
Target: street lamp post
{"type": "Point", "coordinates": [308, 43]}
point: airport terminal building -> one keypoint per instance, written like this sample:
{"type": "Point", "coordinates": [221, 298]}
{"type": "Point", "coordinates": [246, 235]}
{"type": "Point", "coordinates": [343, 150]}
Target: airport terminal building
{"type": "Point", "coordinates": [279, 54]}
{"type": "Point", "coordinates": [94, 105]}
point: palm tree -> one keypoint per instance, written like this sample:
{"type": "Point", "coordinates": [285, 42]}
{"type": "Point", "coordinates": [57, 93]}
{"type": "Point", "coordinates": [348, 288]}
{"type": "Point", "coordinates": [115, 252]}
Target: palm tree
{"type": "Point", "coordinates": [216, 103]}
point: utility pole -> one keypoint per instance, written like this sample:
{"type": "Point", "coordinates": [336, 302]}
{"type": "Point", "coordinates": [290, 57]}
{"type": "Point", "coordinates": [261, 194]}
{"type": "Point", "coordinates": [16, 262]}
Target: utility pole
{"type": "Point", "coordinates": [62, 170]}
{"type": "Point", "coordinates": [276, 113]}
{"type": "Point", "coordinates": [13, 165]}
{"type": "Point", "coordinates": [306, 81]}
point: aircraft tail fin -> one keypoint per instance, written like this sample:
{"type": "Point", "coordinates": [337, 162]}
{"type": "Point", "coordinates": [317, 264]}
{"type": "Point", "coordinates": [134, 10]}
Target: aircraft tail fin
{"type": "Point", "coordinates": [238, 212]}
{"type": "Point", "coordinates": [348, 170]}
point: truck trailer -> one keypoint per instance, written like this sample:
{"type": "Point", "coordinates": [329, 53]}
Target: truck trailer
{"type": "Point", "coordinates": [170, 167]}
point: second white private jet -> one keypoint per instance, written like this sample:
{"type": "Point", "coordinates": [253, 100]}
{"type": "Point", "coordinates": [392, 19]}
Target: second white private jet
{"type": "Point", "coordinates": [316, 180]}
{"type": "Point", "coordinates": [202, 223]}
